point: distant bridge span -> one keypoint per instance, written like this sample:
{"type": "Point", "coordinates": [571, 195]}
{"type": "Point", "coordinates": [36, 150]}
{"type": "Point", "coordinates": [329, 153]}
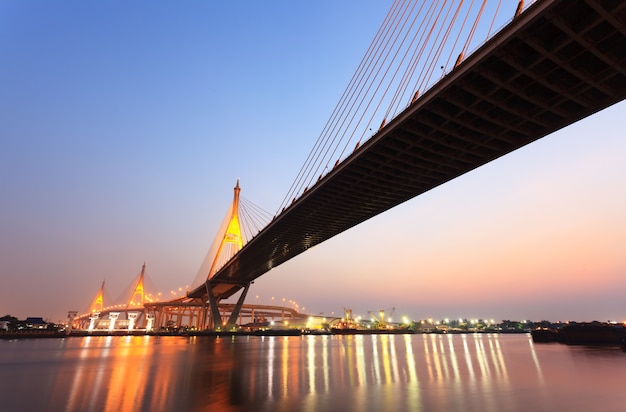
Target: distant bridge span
{"type": "Point", "coordinates": [555, 64]}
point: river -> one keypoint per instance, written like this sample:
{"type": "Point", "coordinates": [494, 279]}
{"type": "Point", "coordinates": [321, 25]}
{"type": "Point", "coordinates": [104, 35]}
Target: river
{"type": "Point", "coordinates": [473, 372]}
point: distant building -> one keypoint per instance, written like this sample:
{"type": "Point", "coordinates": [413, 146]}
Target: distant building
{"type": "Point", "coordinates": [36, 323]}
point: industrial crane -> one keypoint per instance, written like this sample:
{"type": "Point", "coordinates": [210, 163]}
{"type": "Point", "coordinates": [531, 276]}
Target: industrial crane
{"type": "Point", "coordinates": [382, 324]}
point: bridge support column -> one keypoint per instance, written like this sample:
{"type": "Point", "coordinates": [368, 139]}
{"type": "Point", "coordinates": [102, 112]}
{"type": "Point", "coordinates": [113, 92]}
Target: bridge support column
{"type": "Point", "coordinates": [160, 320]}
{"type": "Point", "coordinates": [71, 315]}
{"type": "Point", "coordinates": [132, 320]}
{"type": "Point", "coordinates": [149, 321]}
{"type": "Point", "coordinates": [235, 313]}
{"type": "Point", "coordinates": [216, 317]}
{"type": "Point", "coordinates": [92, 321]}
{"type": "Point", "coordinates": [113, 318]}
{"type": "Point", "coordinates": [202, 317]}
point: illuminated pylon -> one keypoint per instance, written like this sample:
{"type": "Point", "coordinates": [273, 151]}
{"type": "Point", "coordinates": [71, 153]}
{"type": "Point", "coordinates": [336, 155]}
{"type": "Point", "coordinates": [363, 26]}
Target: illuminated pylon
{"type": "Point", "coordinates": [97, 303]}
{"type": "Point", "coordinates": [232, 235]}
{"type": "Point", "coordinates": [227, 243]}
{"type": "Point", "coordinates": [137, 298]}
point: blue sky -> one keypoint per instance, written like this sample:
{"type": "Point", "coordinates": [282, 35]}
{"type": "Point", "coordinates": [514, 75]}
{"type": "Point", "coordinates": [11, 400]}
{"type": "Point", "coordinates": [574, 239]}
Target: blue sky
{"type": "Point", "coordinates": [125, 125]}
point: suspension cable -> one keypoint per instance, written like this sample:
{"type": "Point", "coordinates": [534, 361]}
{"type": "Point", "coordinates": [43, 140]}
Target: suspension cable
{"type": "Point", "coordinates": [388, 68]}
{"type": "Point", "coordinates": [400, 64]}
{"type": "Point", "coordinates": [340, 107]}
{"type": "Point", "coordinates": [358, 97]}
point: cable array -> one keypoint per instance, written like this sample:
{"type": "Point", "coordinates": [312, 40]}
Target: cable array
{"type": "Point", "coordinates": [417, 44]}
{"type": "Point", "coordinates": [252, 217]}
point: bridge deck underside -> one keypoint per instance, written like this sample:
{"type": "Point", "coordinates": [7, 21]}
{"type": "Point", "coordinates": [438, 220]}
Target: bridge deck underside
{"type": "Point", "coordinates": [557, 63]}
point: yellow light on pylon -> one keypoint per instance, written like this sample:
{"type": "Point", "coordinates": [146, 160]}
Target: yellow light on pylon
{"type": "Point", "coordinates": [137, 298]}
{"type": "Point", "coordinates": [232, 235]}
{"type": "Point", "coordinates": [98, 302]}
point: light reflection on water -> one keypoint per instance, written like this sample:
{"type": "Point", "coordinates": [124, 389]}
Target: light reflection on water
{"type": "Point", "coordinates": [480, 372]}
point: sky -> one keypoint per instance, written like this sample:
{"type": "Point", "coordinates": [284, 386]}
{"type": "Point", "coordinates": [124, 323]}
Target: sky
{"type": "Point", "coordinates": [124, 127]}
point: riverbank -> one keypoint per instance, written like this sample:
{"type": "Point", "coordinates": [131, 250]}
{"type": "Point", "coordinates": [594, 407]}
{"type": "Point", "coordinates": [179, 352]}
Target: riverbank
{"type": "Point", "coordinates": [42, 334]}
{"type": "Point", "coordinates": [589, 334]}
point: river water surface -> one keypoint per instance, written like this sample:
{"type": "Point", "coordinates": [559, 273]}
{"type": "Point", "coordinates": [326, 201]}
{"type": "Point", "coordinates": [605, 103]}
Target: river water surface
{"type": "Point", "coordinates": [474, 372]}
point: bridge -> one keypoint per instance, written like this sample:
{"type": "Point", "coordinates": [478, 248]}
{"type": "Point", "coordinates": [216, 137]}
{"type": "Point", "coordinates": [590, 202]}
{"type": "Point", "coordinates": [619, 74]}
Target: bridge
{"type": "Point", "coordinates": [141, 312]}
{"type": "Point", "coordinates": [555, 63]}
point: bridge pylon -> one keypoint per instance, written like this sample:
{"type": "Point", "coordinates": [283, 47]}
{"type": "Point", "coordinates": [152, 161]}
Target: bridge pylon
{"type": "Point", "coordinates": [231, 242]}
{"type": "Point", "coordinates": [202, 305]}
{"type": "Point", "coordinates": [135, 306]}
{"type": "Point", "coordinates": [95, 308]}
{"type": "Point", "coordinates": [137, 298]}
{"type": "Point", "coordinates": [97, 304]}
{"type": "Point", "coordinates": [232, 235]}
